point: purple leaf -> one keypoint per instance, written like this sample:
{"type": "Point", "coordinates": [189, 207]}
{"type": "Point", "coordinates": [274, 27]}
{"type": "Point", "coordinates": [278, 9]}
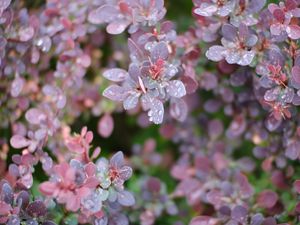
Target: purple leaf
{"type": "Point", "coordinates": [245, 187]}
{"type": "Point", "coordinates": [117, 159]}
{"type": "Point", "coordinates": [178, 109]}
{"type": "Point", "coordinates": [36, 209]}
{"type": "Point", "coordinates": [18, 141]}
{"type": "Point", "coordinates": [270, 221]}
{"type": "Point", "coordinates": [35, 116]}
{"type": "Point", "coordinates": [206, 10]}
{"type": "Point", "coordinates": [115, 74]}
{"type": "Point", "coordinates": [125, 172]}
{"type": "Point", "coordinates": [156, 112]}
{"type": "Point", "coordinates": [293, 31]}
{"type": "Point", "coordinates": [297, 186]}
{"type": "Point", "coordinates": [203, 220]}
{"type": "Point", "coordinates": [256, 5]}
{"type": "Point", "coordinates": [134, 72]}
{"type": "Point", "coordinates": [26, 33]}
{"type": "Point", "coordinates": [103, 14]}
{"type": "Point", "coordinates": [239, 213]}
{"type": "Point", "coordinates": [6, 194]}
{"type": "Point", "coordinates": [13, 220]}
{"type": "Point", "coordinates": [40, 134]}
{"type": "Point", "coordinates": [296, 74]}
{"type": "Point", "coordinates": [105, 125]}
{"type": "Point", "coordinates": [215, 53]}
{"type": "Point", "coordinates": [176, 89]}
{"type": "Point", "coordinates": [17, 86]}
{"type": "Point", "coordinates": [290, 4]}
{"type": "Point", "coordinates": [267, 199]}
{"type": "Point", "coordinates": [61, 101]}
{"type": "Point", "coordinates": [229, 32]}
{"type": "Point", "coordinates": [293, 151]}
{"type": "Point", "coordinates": [44, 43]}
{"type": "Point", "coordinates": [257, 219]}
{"type": "Point", "coordinates": [160, 51]}
{"type": "Point", "coordinates": [117, 27]}
{"type": "Point", "coordinates": [115, 93]}
{"type": "Point", "coordinates": [131, 101]}
{"type": "Point", "coordinates": [4, 4]}
{"type": "Point", "coordinates": [135, 51]}
{"type": "Point", "coordinates": [23, 199]}
{"type": "Point", "coordinates": [125, 198]}
{"type": "Point", "coordinates": [243, 31]}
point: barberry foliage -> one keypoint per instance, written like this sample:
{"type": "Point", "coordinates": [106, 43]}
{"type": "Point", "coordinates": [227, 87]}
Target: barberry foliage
{"type": "Point", "coordinates": [194, 105]}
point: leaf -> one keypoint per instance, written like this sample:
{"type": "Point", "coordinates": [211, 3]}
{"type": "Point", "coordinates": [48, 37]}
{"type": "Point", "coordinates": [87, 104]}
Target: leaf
{"type": "Point", "coordinates": [136, 53]}
{"type": "Point", "coordinates": [4, 4]}
{"type": "Point", "coordinates": [105, 125]}
{"type": "Point", "coordinates": [245, 58]}
{"type": "Point", "coordinates": [17, 86]}
{"type": "Point", "coordinates": [257, 219]}
{"type": "Point", "coordinates": [131, 101]}
{"type": "Point", "coordinates": [125, 172]}
{"type": "Point", "coordinates": [47, 188]}
{"type": "Point", "coordinates": [178, 109]}
{"type": "Point", "coordinates": [103, 14]}
{"type": "Point", "coordinates": [159, 51]}
{"type": "Point", "coordinates": [239, 213]}
{"type": "Point", "coordinates": [23, 199]}
{"type": "Point", "coordinates": [293, 150]}
{"type": "Point", "coordinates": [101, 221]}
{"type": "Point", "coordinates": [26, 33]}
{"type": "Point", "coordinates": [245, 187]}
{"type": "Point", "coordinates": [117, 27]}
{"type": "Point", "coordinates": [207, 10]}
{"type": "Point", "coordinates": [176, 89]}
{"type": "Point", "coordinates": [293, 31]}
{"type": "Point", "coordinates": [35, 116]}
{"type": "Point", "coordinates": [116, 75]}
{"type": "Point", "coordinates": [297, 186]}
{"type": "Point", "coordinates": [290, 4]}
{"type": "Point", "coordinates": [115, 93]}
{"type": "Point", "coordinates": [296, 74]}
{"type": "Point", "coordinates": [117, 159]}
{"type": "Point", "coordinates": [203, 220]}
{"type": "Point", "coordinates": [7, 194]}
{"type": "Point", "coordinates": [36, 209]}
{"type": "Point", "coordinates": [13, 220]}
{"type": "Point", "coordinates": [256, 5]}
{"type": "Point", "coordinates": [134, 71]}
{"type": "Point", "coordinates": [215, 53]}
{"type": "Point", "coordinates": [156, 112]}
{"type": "Point", "coordinates": [4, 208]}
{"type": "Point", "coordinates": [18, 141]}
{"type": "Point", "coordinates": [229, 32]}
{"type": "Point", "coordinates": [267, 199]}
{"type": "Point", "coordinates": [126, 198]}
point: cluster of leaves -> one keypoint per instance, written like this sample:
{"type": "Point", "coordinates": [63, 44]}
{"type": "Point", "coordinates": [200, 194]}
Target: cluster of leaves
{"type": "Point", "coordinates": [225, 93]}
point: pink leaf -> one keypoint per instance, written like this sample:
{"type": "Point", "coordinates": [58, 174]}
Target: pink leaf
{"type": "Point", "coordinates": [18, 141]}
{"type": "Point", "coordinates": [35, 116]}
{"type": "Point", "coordinates": [117, 27]}
{"type": "Point", "coordinates": [115, 93]}
{"type": "Point", "coordinates": [17, 86]}
{"type": "Point", "coordinates": [106, 126]}
{"type": "Point", "coordinates": [293, 31]}
{"type": "Point", "coordinates": [103, 14]}
{"type": "Point", "coordinates": [267, 199]}
{"type": "Point", "coordinates": [297, 186]}
{"type": "Point", "coordinates": [115, 74]}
